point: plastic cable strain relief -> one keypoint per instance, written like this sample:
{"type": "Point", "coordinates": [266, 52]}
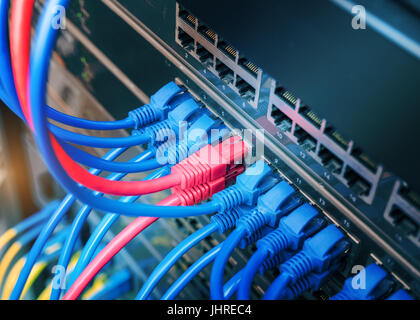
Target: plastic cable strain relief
{"type": "Point", "coordinates": [274, 242]}
{"type": "Point", "coordinates": [225, 220]}
{"type": "Point", "coordinates": [229, 198]}
{"type": "Point", "coordinates": [270, 263]}
{"type": "Point", "coordinates": [298, 266]}
{"type": "Point", "coordinates": [177, 153]}
{"type": "Point", "coordinates": [194, 195]}
{"type": "Point", "coordinates": [300, 287]}
{"type": "Point", "coordinates": [192, 172]}
{"type": "Point", "coordinates": [143, 116]}
{"type": "Point", "coordinates": [252, 222]}
{"type": "Point", "coordinates": [252, 238]}
{"type": "Point", "coordinates": [160, 131]}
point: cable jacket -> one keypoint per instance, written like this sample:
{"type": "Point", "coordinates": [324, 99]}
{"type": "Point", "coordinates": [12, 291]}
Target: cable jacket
{"type": "Point", "coordinates": [232, 284]}
{"type": "Point", "coordinates": [191, 272]}
{"type": "Point", "coordinates": [98, 142]}
{"type": "Point", "coordinates": [112, 166]}
{"type": "Point", "coordinates": [217, 272]}
{"type": "Point", "coordinates": [116, 244]}
{"type": "Point", "coordinates": [172, 257]}
{"type": "Point", "coordinates": [88, 124]}
{"type": "Point", "coordinates": [277, 287]}
{"type": "Point", "coordinates": [249, 272]}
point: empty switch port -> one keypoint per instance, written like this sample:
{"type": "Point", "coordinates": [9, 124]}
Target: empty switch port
{"type": "Point", "coordinates": [245, 89]}
{"type": "Point", "coordinates": [358, 184]}
{"type": "Point", "coordinates": [204, 56]}
{"type": "Point", "coordinates": [225, 73]}
{"type": "Point", "coordinates": [283, 122]}
{"type": "Point", "coordinates": [330, 161]}
{"type": "Point", "coordinates": [403, 222]}
{"type": "Point", "coordinates": [306, 141]}
{"type": "Point", "coordinates": [187, 42]}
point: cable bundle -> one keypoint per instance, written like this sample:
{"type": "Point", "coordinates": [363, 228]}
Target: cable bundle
{"type": "Point", "coordinates": [258, 205]}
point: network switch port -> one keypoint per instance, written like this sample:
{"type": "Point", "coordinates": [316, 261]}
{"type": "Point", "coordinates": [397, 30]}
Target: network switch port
{"type": "Point", "coordinates": [359, 185]}
{"type": "Point", "coordinates": [188, 18]}
{"type": "Point", "coordinates": [283, 122]}
{"type": "Point", "coordinates": [207, 34]}
{"type": "Point", "coordinates": [304, 139]}
{"type": "Point", "coordinates": [330, 161]}
{"type": "Point", "coordinates": [186, 41]}
{"type": "Point", "coordinates": [204, 55]}
{"type": "Point", "coordinates": [324, 143]}
{"type": "Point", "coordinates": [225, 73]}
{"type": "Point", "coordinates": [243, 76]}
{"type": "Point", "coordinates": [403, 214]}
{"type": "Point", "coordinates": [245, 90]}
{"type": "Point", "coordinates": [404, 223]}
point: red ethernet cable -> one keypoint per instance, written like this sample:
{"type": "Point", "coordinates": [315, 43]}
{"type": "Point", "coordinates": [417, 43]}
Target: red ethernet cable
{"type": "Point", "coordinates": [179, 197]}
{"type": "Point", "coordinates": [20, 34]}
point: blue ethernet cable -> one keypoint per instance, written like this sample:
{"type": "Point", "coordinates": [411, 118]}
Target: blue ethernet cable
{"type": "Point", "coordinates": [41, 51]}
{"type": "Point", "coordinates": [176, 153]}
{"type": "Point", "coordinates": [376, 285]}
{"type": "Point", "coordinates": [256, 180]}
{"type": "Point", "coordinates": [79, 221]}
{"type": "Point", "coordinates": [111, 166]}
{"type": "Point", "coordinates": [102, 228]}
{"type": "Point", "coordinates": [160, 104]}
{"type": "Point", "coordinates": [293, 229]}
{"type": "Point", "coordinates": [275, 203]}
{"type": "Point", "coordinates": [76, 122]}
{"type": "Point", "coordinates": [191, 272]}
{"type": "Point", "coordinates": [182, 112]}
{"type": "Point", "coordinates": [319, 254]}
{"type": "Point", "coordinates": [26, 224]}
{"type": "Point", "coordinates": [172, 257]}
{"type": "Point", "coordinates": [97, 142]}
{"type": "Point", "coordinates": [154, 111]}
{"type": "Point", "coordinates": [231, 285]}
{"type": "Point", "coordinates": [48, 229]}
{"type": "Point", "coordinates": [311, 282]}
{"type": "Point", "coordinates": [5, 67]}
{"type": "Point", "coordinates": [270, 263]}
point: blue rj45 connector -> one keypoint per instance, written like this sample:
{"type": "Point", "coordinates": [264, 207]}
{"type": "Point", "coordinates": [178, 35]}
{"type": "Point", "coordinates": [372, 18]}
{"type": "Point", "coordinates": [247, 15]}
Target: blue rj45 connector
{"type": "Point", "coordinates": [159, 106]}
{"type": "Point", "coordinates": [275, 203]}
{"type": "Point", "coordinates": [248, 188]}
{"type": "Point", "coordinates": [319, 253]}
{"type": "Point", "coordinates": [312, 281]}
{"type": "Point", "coordinates": [292, 231]}
{"type": "Point", "coordinates": [246, 191]}
{"type": "Point", "coordinates": [371, 285]}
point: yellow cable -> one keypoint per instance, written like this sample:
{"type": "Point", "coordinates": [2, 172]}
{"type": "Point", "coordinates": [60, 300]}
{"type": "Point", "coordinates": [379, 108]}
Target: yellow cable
{"type": "Point", "coordinates": [14, 274]}
{"type": "Point", "coordinates": [45, 295]}
{"type": "Point", "coordinates": [12, 278]}
{"type": "Point", "coordinates": [36, 271]}
{"type": "Point", "coordinates": [6, 237]}
{"type": "Point", "coordinates": [7, 259]}
{"type": "Point", "coordinates": [97, 286]}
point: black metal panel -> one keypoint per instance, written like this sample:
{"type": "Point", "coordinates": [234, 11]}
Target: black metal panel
{"type": "Point", "coordinates": [361, 82]}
